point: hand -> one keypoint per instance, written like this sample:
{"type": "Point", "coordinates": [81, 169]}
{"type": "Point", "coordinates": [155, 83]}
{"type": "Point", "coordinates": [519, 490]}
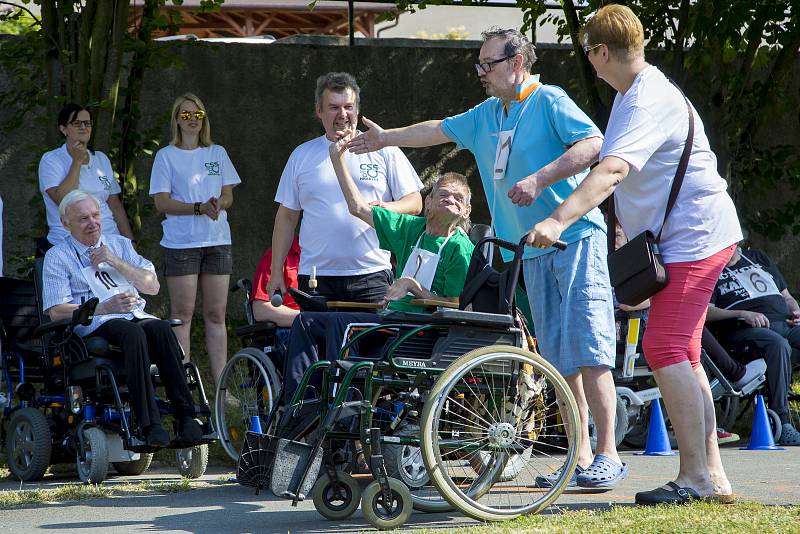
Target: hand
{"type": "Point", "coordinates": [400, 288]}
{"type": "Point", "coordinates": [794, 318]}
{"type": "Point", "coordinates": [210, 208]}
{"type": "Point", "coordinates": [754, 319]}
{"type": "Point", "coordinates": [102, 254]}
{"type": "Point", "coordinates": [370, 141]}
{"type": "Point", "coordinates": [545, 233]}
{"type": "Point", "coordinates": [526, 191]}
{"type": "Point", "coordinates": [276, 282]}
{"type": "Point", "coordinates": [338, 149]}
{"type": "Point", "coordinates": [119, 303]}
{"type": "Point", "coordinates": [78, 151]}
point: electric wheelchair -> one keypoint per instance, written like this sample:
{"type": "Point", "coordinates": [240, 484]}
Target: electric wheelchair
{"type": "Point", "coordinates": [451, 409]}
{"type": "Point", "coordinates": [66, 397]}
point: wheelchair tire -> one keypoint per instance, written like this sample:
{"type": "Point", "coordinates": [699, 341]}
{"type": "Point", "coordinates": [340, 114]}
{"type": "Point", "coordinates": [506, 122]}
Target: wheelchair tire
{"type": "Point", "coordinates": [192, 461]}
{"type": "Point", "coordinates": [249, 385]}
{"type": "Point", "coordinates": [335, 505]}
{"type": "Point", "coordinates": [28, 444]}
{"type": "Point", "coordinates": [728, 411]}
{"type": "Point", "coordinates": [94, 468]}
{"type": "Point", "coordinates": [136, 467]}
{"type": "Point", "coordinates": [620, 425]}
{"type": "Point", "coordinates": [469, 399]}
{"type": "Point", "coordinates": [377, 513]}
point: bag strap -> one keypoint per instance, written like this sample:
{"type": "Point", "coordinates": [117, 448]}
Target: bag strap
{"type": "Point", "coordinates": [676, 182]}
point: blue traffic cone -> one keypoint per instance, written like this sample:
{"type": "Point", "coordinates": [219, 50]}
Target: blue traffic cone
{"type": "Point", "coordinates": [761, 434]}
{"type": "Point", "coordinates": [657, 437]}
{"type": "Point", "coordinates": [255, 424]}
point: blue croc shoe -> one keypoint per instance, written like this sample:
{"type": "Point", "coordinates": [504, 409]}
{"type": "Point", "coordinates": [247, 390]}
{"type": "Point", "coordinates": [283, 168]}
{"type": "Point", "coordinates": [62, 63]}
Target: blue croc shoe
{"type": "Point", "coordinates": [603, 473]}
{"type": "Point", "coordinates": [548, 481]}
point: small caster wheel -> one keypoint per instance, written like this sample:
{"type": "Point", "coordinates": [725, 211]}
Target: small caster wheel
{"type": "Point", "coordinates": [383, 515]}
{"type": "Point", "coordinates": [336, 500]}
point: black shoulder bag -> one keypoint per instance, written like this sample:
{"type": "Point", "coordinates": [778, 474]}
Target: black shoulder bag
{"type": "Point", "coordinates": [637, 270]}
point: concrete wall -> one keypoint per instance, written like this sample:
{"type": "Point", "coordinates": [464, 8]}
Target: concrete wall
{"type": "Point", "coordinates": [260, 100]}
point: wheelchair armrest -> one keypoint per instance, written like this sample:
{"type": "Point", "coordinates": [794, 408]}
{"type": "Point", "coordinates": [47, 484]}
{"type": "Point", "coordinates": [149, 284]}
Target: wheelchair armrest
{"type": "Point", "coordinates": [256, 328]}
{"type": "Point", "coordinates": [174, 322]}
{"type": "Point", "coordinates": [314, 303]}
{"type": "Point", "coordinates": [450, 316]}
{"type": "Point", "coordinates": [434, 303]}
{"type": "Point", "coordinates": [52, 326]}
{"type": "Point", "coordinates": [343, 304]}
{"type": "Point", "coordinates": [82, 315]}
{"type": "Point", "coordinates": [399, 316]}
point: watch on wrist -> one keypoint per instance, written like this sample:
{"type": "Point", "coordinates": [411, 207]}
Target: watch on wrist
{"type": "Point", "coordinates": [197, 208]}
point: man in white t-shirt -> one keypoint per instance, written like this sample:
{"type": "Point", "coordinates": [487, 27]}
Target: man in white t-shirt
{"type": "Point", "coordinates": [341, 250]}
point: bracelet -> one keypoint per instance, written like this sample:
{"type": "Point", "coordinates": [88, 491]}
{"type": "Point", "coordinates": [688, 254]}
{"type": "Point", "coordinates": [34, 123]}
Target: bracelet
{"type": "Point", "coordinates": [197, 208]}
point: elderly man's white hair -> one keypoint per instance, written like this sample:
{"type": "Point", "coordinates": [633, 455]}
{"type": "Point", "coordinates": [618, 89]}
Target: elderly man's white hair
{"type": "Point", "coordinates": [73, 197]}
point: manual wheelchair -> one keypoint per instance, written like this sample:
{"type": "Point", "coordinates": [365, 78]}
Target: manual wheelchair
{"type": "Point", "coordinates": [66, 398]}
{"type": "Point", "coordinates": [455, 388]}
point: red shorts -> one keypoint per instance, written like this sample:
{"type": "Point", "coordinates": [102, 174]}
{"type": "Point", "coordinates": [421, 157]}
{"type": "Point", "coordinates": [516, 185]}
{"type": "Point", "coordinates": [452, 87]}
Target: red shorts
{"type": "Point", "coordinates": [678, 312]}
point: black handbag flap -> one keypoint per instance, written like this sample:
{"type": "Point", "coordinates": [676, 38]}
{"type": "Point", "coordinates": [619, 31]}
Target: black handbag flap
{"type": "Point", "coordinates": [630, 259]}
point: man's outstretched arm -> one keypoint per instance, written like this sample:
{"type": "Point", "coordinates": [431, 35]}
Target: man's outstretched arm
{"type": "Point", "coordinates": [422, 134]}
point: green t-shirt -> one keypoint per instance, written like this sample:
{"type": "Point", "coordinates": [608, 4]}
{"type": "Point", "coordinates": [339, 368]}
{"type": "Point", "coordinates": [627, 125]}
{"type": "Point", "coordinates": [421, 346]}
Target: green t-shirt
{"type": "Point", "coordinates": [398, 233]}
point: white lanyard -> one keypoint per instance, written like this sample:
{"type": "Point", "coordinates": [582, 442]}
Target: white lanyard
{"type": "Point", "coordinates": [421, 264]}
{"type": "Point", "coordinates": [756, 281]}
{"type": "Point", "coordinates": [504, 140]}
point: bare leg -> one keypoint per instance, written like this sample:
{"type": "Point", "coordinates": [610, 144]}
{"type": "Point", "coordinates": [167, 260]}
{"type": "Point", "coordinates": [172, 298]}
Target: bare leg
{"type": "Point", "coordinates": [215, 301]}
{"type": "Point", "coordinates": [683, 398]}
{"type": "Point", "coordinates": [182, 295]}
{"type": "Point", "coordinates": [601, 395]}
{"type": "Point", "coordinates": [719, 479]}
{"type": "Point", "coordinates": [575, 383]}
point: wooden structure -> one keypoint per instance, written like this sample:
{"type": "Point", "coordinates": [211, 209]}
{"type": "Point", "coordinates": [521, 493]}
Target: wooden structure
{"type": "Point", "coordinates": [242, 18]}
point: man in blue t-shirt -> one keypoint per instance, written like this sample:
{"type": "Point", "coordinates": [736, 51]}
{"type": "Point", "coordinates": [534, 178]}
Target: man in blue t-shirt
{"type": "Point", "coordinates": [533, 147]}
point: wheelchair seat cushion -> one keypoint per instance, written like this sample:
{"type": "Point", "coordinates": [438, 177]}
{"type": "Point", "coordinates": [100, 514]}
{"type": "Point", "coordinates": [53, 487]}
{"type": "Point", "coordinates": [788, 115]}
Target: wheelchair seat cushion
{"type": "Point", "coordinates": [97, 346]}
{"type": "Point", "coordinates": [88, 370]}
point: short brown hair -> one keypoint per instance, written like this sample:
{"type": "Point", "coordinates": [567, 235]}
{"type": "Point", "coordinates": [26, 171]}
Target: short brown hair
{"type": "Point", "coordinates": [618, 28]}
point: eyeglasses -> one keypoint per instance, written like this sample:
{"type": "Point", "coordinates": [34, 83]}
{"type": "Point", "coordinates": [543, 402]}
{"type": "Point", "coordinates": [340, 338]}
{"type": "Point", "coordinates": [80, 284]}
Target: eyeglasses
{"type": "Point", "coordinates": [589, 48]}
{"type": "Point", "coordinates": [78, 124]}
{"type": "Point", "coordinates": [187, 115]}
{"type": "Point", "coordinates": [486, 68]}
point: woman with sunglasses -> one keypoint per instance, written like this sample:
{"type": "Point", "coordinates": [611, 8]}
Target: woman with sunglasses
{"type": "Point", "coordinates": [73, 166]}
{"type": "Point", "coordinates": [192, 184]}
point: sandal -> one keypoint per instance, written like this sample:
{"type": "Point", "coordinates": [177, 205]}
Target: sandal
{"type": "Point", "coordinates": [548, 481]}
{"type": "Point", "coordinates": [676, 495]}
{"type": "Point", "coordinates": [603, 473]}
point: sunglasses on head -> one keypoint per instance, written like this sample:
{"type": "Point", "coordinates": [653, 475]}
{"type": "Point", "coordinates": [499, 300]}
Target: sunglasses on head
{"type": "Point", "coordinates": [187, 115]}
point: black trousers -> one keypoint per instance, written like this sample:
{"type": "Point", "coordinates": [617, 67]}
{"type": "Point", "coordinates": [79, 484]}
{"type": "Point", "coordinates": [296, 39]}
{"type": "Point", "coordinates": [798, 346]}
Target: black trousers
{"type": "Point", "coordinates": [356, 288]}
{"type": "Point", "coordinates": [144, 342]}
{"type": "Point", "coordinates": [730, 368]}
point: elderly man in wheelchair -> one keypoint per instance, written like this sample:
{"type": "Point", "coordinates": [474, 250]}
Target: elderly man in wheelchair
{"type": "Point", "coordinates": [86, 265]}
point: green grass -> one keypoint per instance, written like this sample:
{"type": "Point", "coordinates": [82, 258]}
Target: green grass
{"type": "Point", "coordinates": [82, 492]}
{"type": "Point", "coordinates": [698, 518]}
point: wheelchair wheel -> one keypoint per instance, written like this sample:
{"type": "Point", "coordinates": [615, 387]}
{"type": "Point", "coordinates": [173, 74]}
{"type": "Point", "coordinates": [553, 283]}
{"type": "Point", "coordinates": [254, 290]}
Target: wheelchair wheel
{"type": "Point", "coordinates": [192, 461]}
{"type": "Point", "coordinates": [136, 467]}
{"type": "Point", "coordinates": [386, 515]}
{"type": "Point", "coordinates": [28, 444]}
{"type": "Point", "coordinates": [93, 469]}
{"type": "Point", "coordinates": [495, 402]}
{"type": "Point", "coordinates": [336, 501]}
{"type": "Point", "coordinates": [249, 385]}
{"type": "Point", "coordinates": [620, 425]}
{"type": "Point", "coordinates": [728, 411]}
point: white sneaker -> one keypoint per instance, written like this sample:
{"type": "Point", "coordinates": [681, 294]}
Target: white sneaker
{"type": "Point", "coordinates": [753, 370]}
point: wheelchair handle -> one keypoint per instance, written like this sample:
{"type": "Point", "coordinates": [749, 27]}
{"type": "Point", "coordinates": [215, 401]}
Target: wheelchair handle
{"type": "Point", "coordinates": [241, 283]}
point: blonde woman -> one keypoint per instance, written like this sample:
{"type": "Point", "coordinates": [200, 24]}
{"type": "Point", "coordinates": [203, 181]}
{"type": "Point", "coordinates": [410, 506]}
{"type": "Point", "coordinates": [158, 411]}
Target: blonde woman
{"type": "Point", "coordinates": [192, 184]}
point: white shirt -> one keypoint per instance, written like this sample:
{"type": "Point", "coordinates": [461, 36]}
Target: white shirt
{"type": "Point", "coordinates": [648, 128]}
{"type": "Point", "coordinates": [193, 176]}
{"type": "Point", "coordinates": [96, 177]}
{"type": "Point", "coordinates": [332, 240]}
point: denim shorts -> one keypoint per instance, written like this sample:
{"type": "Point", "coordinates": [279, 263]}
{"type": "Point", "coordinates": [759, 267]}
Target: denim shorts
{"type": "Point", "coordinates": [571, 305]}
{"type": "Point", "coordinates": [207, 260]}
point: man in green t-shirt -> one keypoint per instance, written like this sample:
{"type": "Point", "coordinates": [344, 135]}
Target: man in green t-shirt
{"type": "Point", "coordinates": [433, 253]}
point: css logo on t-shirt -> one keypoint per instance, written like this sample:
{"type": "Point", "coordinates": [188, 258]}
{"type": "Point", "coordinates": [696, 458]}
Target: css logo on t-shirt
{"type": "Point", "coordinates": [105, 181]}
{"type": "Point", "coordinates": [213, 168]}
{"type": "Point", "coordinates": [369, 171]}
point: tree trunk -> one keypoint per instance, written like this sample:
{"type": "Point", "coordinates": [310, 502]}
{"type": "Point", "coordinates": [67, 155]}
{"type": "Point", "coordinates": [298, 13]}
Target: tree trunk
{"type": "Point", "coordinates": [110, 77]}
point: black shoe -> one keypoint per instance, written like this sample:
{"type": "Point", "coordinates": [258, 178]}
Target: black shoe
{"type": "Point", "coordinates": [156, 436]}
{"type": "Point", "coordinates": [189, 430]}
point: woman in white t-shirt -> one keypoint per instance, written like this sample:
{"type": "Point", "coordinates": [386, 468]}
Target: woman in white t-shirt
{"type": "Point", "coordinates": [641, 153]}
{"type": "Point", "coordinates": [73, 166]}
{"type": "Point", "coordinates": [192, 184]}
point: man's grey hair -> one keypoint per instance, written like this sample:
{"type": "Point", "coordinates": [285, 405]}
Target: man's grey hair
{"type": "Point", "coordinates": [516, 43]}
{"type": "Point", "coordinates": [336, 82]}
{"type": "Point", "coordinates": [73, 197]}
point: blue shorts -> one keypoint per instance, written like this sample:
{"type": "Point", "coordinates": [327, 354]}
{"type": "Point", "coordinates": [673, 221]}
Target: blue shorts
{"type": "Point", "coordinates": [572, 306]}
